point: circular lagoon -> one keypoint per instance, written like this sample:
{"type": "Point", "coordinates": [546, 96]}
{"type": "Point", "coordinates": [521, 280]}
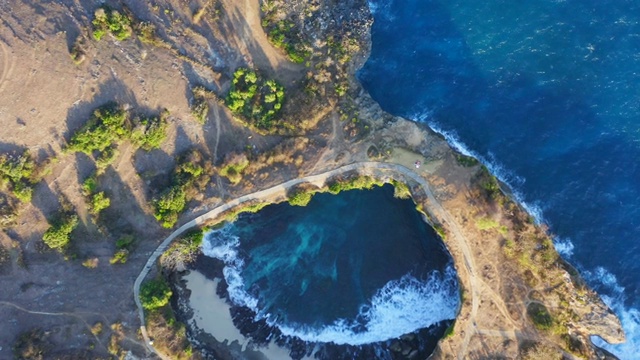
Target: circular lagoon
{"type": "Point", "coordinates": [357, 274]}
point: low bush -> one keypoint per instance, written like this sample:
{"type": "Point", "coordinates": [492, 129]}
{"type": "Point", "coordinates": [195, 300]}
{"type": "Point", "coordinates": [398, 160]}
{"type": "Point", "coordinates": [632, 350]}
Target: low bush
{"type": "Point", "coordinates": [108, 125]}
{"type": "Point", "coordinates": [200, 105]}
{"type": "Point", "coordinates": [155, 294]}
{"type": "Point", "coordinates": [150, 133]}
{"type": "Point", "coordinates": [106, 158]}
{"type": "Point", "coordinates": [98, 202]}
{"type": "Point", "coordinates": [540, 316]}
{"type": "Point", "coordinates": [169, 206]}
{"type": "Point", "coordinates": [189, 174]}
{"type": "Point", "coordinates": [57, 237]}
{"type": "Point", "coordinates": [300, 198]}
{"type": "Point", "coordinates": [123, 248]}
{"type": "Point", "coordinates": [233, 167]}
{"type": "Point", "coordinates": [183, 251]}
{"type": "Point", "coordinates": [16, 174]}
{"type": "Point", "coordinates": [112, 21]}
{"type": "Point", "coordinates": [254, 99]}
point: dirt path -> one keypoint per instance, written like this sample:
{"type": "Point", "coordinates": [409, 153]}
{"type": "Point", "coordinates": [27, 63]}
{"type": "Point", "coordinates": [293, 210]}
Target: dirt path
{"type": "Point", "coordinates": [320, 179]}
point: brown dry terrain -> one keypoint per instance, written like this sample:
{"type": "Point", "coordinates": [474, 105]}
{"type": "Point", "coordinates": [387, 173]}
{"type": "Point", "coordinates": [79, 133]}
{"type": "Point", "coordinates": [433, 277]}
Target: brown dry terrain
{"type": "Point", "coordinates": [51, 304]}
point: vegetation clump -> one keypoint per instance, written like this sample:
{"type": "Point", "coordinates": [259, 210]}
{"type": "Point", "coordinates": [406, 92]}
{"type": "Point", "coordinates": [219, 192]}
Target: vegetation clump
{"type": "Point", "coordinates": [96, 200]}
{"type": "Point", "coordinates": [108, 125]}
{"type": "Point", "coordinates": [57, 237]}
{"type": "Point", "coordinates": [189, 174]}
{"type": "Point", "coordinates": [16, 174]}
{"type": "Point", "coordinates": [358, 182]}
{"type": "Point", "coordinates": [254, 99]}
{"type": "Point", "coordinates": [183, 251]}
{"type": "Point", "coordinates": [282, 33]}
{"type": "Point", "coordinates": [300, 198]}
{"type": "Point", "coordinates": [106, 158]}
{"type": "Point", "coordinates": [149, 133]}
{"type": "Point", "coordinates": [234, 166]}
{"type": "Point", "coordinates": [540, 316]}
{"type": "Point", "coordinates": [200, 105]}
{"type": "Point", "coordinates": [108, 20]}
{"type": "Point", "coordinates": [123, 247]}
{"type": "Point", "coordinates": [155, 294]}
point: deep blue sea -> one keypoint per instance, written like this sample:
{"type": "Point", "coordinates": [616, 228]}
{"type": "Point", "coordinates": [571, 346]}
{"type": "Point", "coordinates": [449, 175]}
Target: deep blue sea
{"type": "Point", "coordinates": [352, 269]}
{"type": "Point", "coordinates": [547, 94]}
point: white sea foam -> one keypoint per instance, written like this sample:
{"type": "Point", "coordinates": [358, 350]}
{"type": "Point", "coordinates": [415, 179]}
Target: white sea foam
{"type": "Point", "coordinates": [563, 246]}
{"type": "Point", "coordinates": [614, 297]}
{"type": "Point", "coordinates": [400, 307]}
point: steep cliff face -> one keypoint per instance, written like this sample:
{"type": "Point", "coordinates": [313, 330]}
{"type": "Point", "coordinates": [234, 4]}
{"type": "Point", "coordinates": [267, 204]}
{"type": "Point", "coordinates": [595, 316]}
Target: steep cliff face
{"type": "Point", "coordinates": [520, 299]}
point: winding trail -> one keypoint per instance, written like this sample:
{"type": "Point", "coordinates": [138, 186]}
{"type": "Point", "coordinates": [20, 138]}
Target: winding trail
{"type": "Point", "coordinates": [365, 168]}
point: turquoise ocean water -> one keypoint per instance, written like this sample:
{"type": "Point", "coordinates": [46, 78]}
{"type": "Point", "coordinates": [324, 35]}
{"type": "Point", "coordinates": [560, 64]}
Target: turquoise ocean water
{"type": "Point", "coordinates": [353, 269]}
{"type": "Point", "coordinates": [547, 94]}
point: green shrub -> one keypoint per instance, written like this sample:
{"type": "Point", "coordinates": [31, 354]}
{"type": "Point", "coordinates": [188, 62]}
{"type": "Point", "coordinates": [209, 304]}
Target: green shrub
{"type": "Point", "coordinates": [256, 100]}
{"type": "Point", "coordinates": [108, 125]}
{"type": "Point", "coordinates": [125, 242]}
{"type": "Point", "coordinates": [540, 316]}
{"type": "Point", "coordinates": [99, 202]}
{"type": "Point", "coordinates": [57, 236]}
{"type": "Point", "coordinates": [200, 109]}
{"type": "Point", "coordinates": [106, 158]}
{"type": "Point", "coordinates": [90, 185]}
{"type": "Point", "coordinates": [189, 173]}
{"type": "Point", "coordinates": [169, 205]}
{"type": "Point", "coordinates": [149, 133]}
{"type": "Point", "coordinates": [16, 172]}
{"type": "Point", "coordinates": [300, 198]}
{"type": "Point", "coordinates": [400, 190]}
{"type": "Point", "coordinates": [234, 165]}
{"type": "Point", "coordinates": [155, 294]}
{"type": "Point", "coordinates": [119, 257]}
{"type": "Point", "coordinates": [105, 19]}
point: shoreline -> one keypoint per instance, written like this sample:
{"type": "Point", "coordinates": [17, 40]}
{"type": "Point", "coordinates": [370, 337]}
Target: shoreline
{"type": "Point", "coordinates": [460, 249]}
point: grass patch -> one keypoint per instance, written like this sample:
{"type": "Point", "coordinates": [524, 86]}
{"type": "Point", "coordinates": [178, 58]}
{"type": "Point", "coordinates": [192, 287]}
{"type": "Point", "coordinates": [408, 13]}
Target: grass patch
{"type": "Point", "coordinates": [486, 223]}
{"type": "Point", "coordinates": [58, 235]}
{"type": "Point", "coordinates": [466, 161]}
{"type": "Point", "coordinates": [256, 100]}
{"type": "Point", "coordinates": [107, 20]}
